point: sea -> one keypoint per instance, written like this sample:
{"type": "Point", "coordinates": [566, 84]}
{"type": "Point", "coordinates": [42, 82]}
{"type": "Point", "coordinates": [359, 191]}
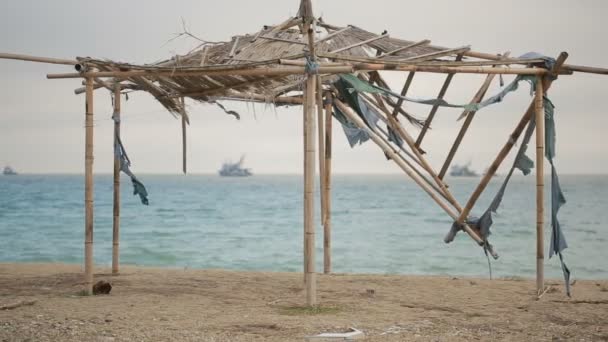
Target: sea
{"type": "Point", "coordinates": [381, 224]}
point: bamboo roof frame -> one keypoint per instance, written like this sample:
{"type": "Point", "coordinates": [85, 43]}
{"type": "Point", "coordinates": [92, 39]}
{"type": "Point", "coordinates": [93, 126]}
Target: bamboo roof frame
{"type": "Point", "coordinates": [271, 66]}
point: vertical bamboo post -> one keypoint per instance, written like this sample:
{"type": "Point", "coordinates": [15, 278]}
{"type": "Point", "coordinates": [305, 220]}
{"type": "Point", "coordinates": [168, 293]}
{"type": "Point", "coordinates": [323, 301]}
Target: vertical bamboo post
{"type": "Point", "coordinates": [540, 206]}
{"type": "Point", "coordinates": [327, 184]}
{"type": "Point", "coordinates": [184, 147]}
{"type": "Point", "coordinates": [116, 202]}
{"type": "Point", "coordinates": [321, 138]}
{"type": "Point", "coordinates": [88, 189]}
{"type": "Point", "coordinates": [310, 279]}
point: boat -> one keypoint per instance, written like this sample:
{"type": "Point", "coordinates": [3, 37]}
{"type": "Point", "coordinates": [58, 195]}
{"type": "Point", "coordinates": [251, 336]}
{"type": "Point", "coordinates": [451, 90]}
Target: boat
{"type": "Point", "coordinates": [9, 171]}
{"type": "Point", "coordinates": [463, 171]}
{"type": "Point", "coordinates": [230, 169]}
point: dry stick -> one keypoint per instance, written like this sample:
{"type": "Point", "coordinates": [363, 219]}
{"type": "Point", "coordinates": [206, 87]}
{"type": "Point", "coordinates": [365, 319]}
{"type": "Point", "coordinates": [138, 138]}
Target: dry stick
{"type": "Point", "coordinates": [116, 198]}
{"type": "Point", "coordinates": [204, 56]}
{"type": "Point", "coordinates": [321, 137]}
{"type": "Point", "coordinates": [359, 122]}
{"type": "Point", "coordinates": [289, 100]}
{"type": "Point", "coordinates": [184, 146]}
{"type": "Point", "coordinates": [467, 122]}
{"type": "Point", "coordinates": [283, 40]}
{"type": "Point", "coordinates": [88, 190]}
{"type": "Point", "coordinates": [405, 48]}
{"type": "Point", "coordinates": [309, 180]}
{"type": "Point", "coordinates": [327, 184]}
{"type": "Point", "coordinates": [234, 46]}
{"type": "Point", "coordinates": [540, 186]}
{"type": "Point", "coordinates": [509, 144]}
{"type": "Point", "coordinates": [435, 107]}
{"type": "Point", "coordinates": [433, 55]}
{"type": "Point", "coordinates": [360, 43]}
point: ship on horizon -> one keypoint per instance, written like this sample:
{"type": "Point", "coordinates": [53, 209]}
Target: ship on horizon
{"type": "Point", "coordinates": [230, 169]}
{"type": "Point", "coordinates": [463, 171]}
{"type": "Point", "coordinates": [9, 171]}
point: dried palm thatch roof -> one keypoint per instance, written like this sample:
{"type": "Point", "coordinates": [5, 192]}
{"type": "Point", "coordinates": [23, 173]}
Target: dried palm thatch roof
{"type": "Point", "coordinates": [275, 47]}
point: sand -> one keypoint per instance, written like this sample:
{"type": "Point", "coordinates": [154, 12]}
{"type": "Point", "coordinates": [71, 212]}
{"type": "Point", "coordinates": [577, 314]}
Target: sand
{"type": "Point", "coordinates": [148, 304]}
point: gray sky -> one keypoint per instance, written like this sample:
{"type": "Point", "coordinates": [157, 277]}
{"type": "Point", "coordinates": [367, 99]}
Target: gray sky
{"type": "Point", "coordinates": [41, 121]}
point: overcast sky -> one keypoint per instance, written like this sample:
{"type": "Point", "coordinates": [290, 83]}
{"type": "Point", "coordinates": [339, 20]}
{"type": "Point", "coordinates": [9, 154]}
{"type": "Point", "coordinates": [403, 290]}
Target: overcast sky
{"type": "Point", "coordinates": [41, 121]}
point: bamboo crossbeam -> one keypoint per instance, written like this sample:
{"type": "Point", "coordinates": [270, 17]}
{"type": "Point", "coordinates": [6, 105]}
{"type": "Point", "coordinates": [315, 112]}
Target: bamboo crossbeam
{"type": "Point", "coordinates": [266, 71]}
{"type": "Point", "coordinates": [540, 186]}
{"type": "Point", "coordinates": [28, 58]}
{"type": "Point", "coordinates": [586, 69]}
{"type": "Point", "coordinates": [467, 122]}
{"type": "Point", "coordinates": [359, 122]}
{"type": "Point", "coordinates": [327, 184]}
{"type": "Point", "coordinates": [509, 144]}
{"type": "Point", "coordinates": [405, 48]}
{"type": "Point", "coordinates": [88, 189]}
{"type": "Point", "coordinates": [116, 189]}
{"type": "Point", "coordinates": [431, 116]}
{"type": "Point", "coordinates": [361, 43]}
{"type": "Point", "coordinates": [297, 62]}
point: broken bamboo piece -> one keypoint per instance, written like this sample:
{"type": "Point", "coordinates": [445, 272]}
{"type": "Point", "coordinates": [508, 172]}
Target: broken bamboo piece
{"type": "Point", "coordinates": [467, 122]}
{"type": "Point", "coordinates": [509, 144]}
{"type": "Point", "coordinates": [359, 122]}
{"type": "Point", "coordinates": [444, 89]}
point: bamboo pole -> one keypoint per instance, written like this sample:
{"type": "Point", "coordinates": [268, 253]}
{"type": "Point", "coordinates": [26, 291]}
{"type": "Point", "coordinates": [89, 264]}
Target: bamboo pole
{"type": "Point", "coordinates": [321, 138]}
{"type": "Point", "coordinates": [310, 279]}
{"type": "Point", "coordinates": [406, 88]}
{"type": "Point", "coordinates": [28, 58]}
{"type": "Point", "coordinates": [405, 48]}
{"type": "Point", "coordinates": [371, 40]}
{"type": "Point", "coordinates": [184, 140]}
{"type": "Point", "coordinates": [327, 184]}
{"type": "Point", "coordinates": [395, 157]}
{"type": "Point", "coordinates": [467, 122]}
{"type": "Point", "coordinates": [509, 144]}
{"type": "Point", "coordinates": [435, 107]}
{"type": "Point", "coordinates": [88, 190]}
{"type": "Point", "coordinates": [116, 199]}
{"type": "Point", "coordinates": [268, 71]}
{"type": "Point", "coordinates": [540, 206]}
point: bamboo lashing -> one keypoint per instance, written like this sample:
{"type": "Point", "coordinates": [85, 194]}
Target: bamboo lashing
{"type": "Point", "coordinates": [509, 144]}
{"type": "Point", "coordinates": [540, 186]}
{"type": "Point", "coordinates": [327, 184]}
{"type": "Point", "coordinates": [469, 115]}
{"type": "Point", "coordinates": [88, 190]}
{"type": "Point", "coordinates": [429, 119]}
{"type": "Point", "coordinates": [116, 194]}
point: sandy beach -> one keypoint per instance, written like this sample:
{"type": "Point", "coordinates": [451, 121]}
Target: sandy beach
{"type": "Point", "coordinates": [149, 304]}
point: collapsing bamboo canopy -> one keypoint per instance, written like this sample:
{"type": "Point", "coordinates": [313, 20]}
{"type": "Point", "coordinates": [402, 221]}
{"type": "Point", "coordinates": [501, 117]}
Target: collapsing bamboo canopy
{"type": "Point", "coordinates": [306, 61]}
